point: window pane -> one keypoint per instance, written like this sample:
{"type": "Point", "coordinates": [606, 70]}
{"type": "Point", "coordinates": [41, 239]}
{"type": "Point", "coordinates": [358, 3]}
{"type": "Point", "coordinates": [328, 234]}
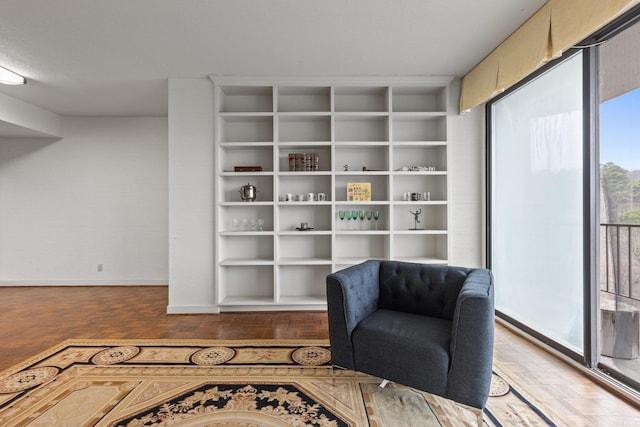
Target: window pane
{"type": "Point", "coordinates": [619, 78]}
{"type": "Point", "coordinates": [537, 204]}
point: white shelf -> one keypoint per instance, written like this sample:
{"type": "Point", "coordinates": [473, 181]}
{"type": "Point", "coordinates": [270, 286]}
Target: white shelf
{"type": "Point", "coordinates": [303, 173]}
{"type": "Point", "coordinates": [246, 204]}
{"type": "Point", "coordinates": [304, 261]}
{"type": "Point", "coordinates": [424, 260]}
{"type": "Point", "coordinates": [359, 123]}
{"type": "Point", "coordinates": [303, 300]}
{"type": "Point", "coordinates": [245, 261]}
{"type": "Point", "coordinates": [305, 233]}
{"type": "Point", "coordinates": [414, 232]}
{"type": "Point", "coordinates": [245, 233]}
{"type": "Point", "coordinates": [247, 300]}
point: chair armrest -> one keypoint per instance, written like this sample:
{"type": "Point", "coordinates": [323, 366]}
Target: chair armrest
{"type": "Point", "coordinates": [352, 295]}
{"type": "Point", "coordinates": [472, 340]}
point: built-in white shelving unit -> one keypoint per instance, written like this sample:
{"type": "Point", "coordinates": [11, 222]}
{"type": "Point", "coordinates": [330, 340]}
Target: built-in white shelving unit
{"type": "Point", "coordinates": [361, 130]}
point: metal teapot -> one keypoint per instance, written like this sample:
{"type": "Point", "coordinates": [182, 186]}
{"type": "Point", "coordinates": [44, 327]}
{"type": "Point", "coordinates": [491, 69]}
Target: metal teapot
{"type": "Point", "coordinates": [248, 193]}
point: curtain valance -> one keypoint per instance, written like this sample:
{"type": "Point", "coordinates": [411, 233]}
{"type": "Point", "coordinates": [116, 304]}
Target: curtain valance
{"type": "Point", "coordinates": [557, 26]}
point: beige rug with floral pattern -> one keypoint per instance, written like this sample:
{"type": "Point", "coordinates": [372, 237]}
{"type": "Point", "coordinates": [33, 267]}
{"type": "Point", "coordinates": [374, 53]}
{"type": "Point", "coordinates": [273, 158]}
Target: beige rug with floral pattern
{"type": "Point", "coordinates": [227, 383]}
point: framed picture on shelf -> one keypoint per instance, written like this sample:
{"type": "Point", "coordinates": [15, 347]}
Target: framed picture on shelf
{"type": "Point", "coordinates": [359, 192]}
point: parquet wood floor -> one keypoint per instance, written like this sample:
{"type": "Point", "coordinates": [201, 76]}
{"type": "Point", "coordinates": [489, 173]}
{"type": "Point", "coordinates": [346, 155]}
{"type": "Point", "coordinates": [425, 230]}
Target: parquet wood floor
{"type": "Point", "coordinates": [33, 319]}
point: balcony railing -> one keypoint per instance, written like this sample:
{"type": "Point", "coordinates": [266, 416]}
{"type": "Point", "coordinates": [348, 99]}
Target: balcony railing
{"type": "Point", "coordinates": [620, 260]}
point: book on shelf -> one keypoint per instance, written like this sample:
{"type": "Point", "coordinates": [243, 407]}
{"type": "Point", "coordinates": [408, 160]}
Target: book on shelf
{"type": "Point", "coordinates": [247, 168]}
{"type": "Point", "coordinates": [304, 162]}
{"type": "Point", "coordinates": [359, 192]}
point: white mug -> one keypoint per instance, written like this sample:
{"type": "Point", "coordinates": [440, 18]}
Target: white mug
{"type": "Point", "coordinates": [311, 197]}
{"type": "Point", "coordinates": [299, 197]}
{"type": "Point", "coordinates": [322, 197]}
{"type": "Point", "coordinates": [288, 197]}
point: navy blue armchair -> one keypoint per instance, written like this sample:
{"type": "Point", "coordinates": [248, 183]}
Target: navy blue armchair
{"type": "Point", "coordinates": [429, 327]}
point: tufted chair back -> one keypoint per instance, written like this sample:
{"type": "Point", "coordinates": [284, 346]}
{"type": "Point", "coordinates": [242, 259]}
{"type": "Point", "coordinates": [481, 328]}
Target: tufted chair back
{"type": "Point", "coordinates": [420, 289]}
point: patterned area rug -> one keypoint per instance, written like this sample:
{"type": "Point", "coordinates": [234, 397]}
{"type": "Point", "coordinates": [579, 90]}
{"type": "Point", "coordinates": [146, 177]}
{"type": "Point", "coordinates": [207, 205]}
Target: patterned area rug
{"type": "Point", "coordinates": [228, 383]}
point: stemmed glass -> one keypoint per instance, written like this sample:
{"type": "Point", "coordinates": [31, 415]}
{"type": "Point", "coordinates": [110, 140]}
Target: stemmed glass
{"type": "Point", "coordinates": [376, 216]}
{"type": "Point", "coordinates": [369, 215]}
{"type": "Point", "coordinates": [348, 213]}
{"type": "Point", "coordinates": [361, 214]}
{"type": "Point", "coordinates": [341, 214]}
{"type": "Point", "coordinates": [354, 215]}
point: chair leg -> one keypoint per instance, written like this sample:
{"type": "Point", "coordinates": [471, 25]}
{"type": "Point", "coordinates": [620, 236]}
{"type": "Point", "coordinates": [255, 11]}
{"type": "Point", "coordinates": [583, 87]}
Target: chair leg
{"type": "Point", "coordinates": [384, 383]}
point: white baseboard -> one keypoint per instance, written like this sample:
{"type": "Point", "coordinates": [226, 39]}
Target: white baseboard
{"type": "Point", "coordinates": [83, 283]}
{"type": "Point", "coordinates": [193, 309]}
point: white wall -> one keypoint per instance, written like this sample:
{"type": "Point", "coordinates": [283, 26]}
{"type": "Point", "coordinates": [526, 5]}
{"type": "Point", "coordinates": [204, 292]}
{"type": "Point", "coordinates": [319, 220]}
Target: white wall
{"type": "Point", "coordinates": [35, 120]}
{"type": "Point", "coordinates": [467, 183]}
{"type": "Point", "coordinates": [96, 196]}
{"type": "Point", "coordinates": [191, 197]}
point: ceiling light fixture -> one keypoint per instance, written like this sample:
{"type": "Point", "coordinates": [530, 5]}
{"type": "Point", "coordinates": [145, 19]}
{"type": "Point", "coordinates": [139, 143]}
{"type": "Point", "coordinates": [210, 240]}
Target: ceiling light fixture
{"type": "Point", "coordinates": [10, 78]}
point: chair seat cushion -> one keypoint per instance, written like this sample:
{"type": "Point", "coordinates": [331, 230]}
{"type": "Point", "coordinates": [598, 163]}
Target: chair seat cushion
{"type": "Point", "coordinates": [409, 349]}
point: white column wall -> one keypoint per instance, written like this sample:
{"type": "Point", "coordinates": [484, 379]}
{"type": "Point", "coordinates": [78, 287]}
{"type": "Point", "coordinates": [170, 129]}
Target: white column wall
{"type": "Point", "coordinates": [191, 197]}
{"type": "Point", "coordinates": [97, 196]}
{"type": "Point", "coordinates": [466, 183]}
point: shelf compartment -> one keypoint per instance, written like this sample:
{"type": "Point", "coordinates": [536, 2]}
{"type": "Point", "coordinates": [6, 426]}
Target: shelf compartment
{"type": "Point", "coordinates": [235, 99]}
{"type": "Point", "coordinates": [372, 158]}
{"type": "Point", "coordinates": [302, 284]}
{"type": "Point", "coordinates": [246, 285]}
{"type": "Point", "coordinates": [420, 156]}
{"type": "Point", "coordinates": [417, 182]}
{"type": "Point", "coordinates": [303, 99]}
{"type": "Point", "coordinates": [300, 183]}
{"type": "Point", "coordinates": [229, 187]}
{"type": "Point", "coordinates": [420, 248]}
{"type": "Point", "coordinates": [246, 250]}
{"type": "Point", "coordinates": [419, 99]}
{"type": "Point", "coordinates": [379, 185]}
{"type": "Point", "coordinates": [361, 128]}
{"type": "Point", "coordinates": [361, 99]}
{"type": "Point", "coordinates": [245, 129]}
{"type": "Point", "coordinates": [365, 225]}
{"type": "Point", "coordinates": [246, 156]}
{"type": "Point", "coordinates": [304, 129]}
{"type": "Point", "coordinates": [323, 151]}
{"type": "Point", "coordinates": [418, 128]}
{"type": "Point", "coordinates": [303, 247]}
{"type": "Point", "coordinates": [432, 219]}
{"type": "Point", "coordinates": [248, 211]}
{"type": "Point", "coordinates": [316, 216]}
{"type": "Point", "coordinates": [367, 246]}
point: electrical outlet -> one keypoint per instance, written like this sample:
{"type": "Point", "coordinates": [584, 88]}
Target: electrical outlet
{"type": "Point", "coordinates": [99, 267]}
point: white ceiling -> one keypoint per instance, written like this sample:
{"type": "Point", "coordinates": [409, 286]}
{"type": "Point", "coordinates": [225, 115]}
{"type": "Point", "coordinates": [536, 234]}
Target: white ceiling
{"type": "Point", "coordinates": [113, 57]}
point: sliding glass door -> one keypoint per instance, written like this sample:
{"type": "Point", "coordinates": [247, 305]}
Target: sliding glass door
{"type": "Point", "coordinates": [619, 110]}
{"type": "Point", "coordinates": [536, 205]}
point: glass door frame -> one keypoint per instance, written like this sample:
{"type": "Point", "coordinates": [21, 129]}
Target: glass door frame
{"type": "Point", "coordinates": [589, 172]}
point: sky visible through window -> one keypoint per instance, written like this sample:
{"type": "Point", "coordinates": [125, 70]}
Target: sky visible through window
{"type": "Point", "coordinates": [620, 131]}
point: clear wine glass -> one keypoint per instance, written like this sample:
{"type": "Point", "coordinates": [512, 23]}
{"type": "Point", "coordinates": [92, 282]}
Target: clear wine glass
{"type": "Point", "coordinates": [369, 216]}
{"type": "Point", "coordinates": [361, 215]}
{"type": "Point", "coordinates": [376, 216]}
{"type": "Point", "coordinates": [260, 224]}
{"type": "Point", "coordinates": [236, 224]}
